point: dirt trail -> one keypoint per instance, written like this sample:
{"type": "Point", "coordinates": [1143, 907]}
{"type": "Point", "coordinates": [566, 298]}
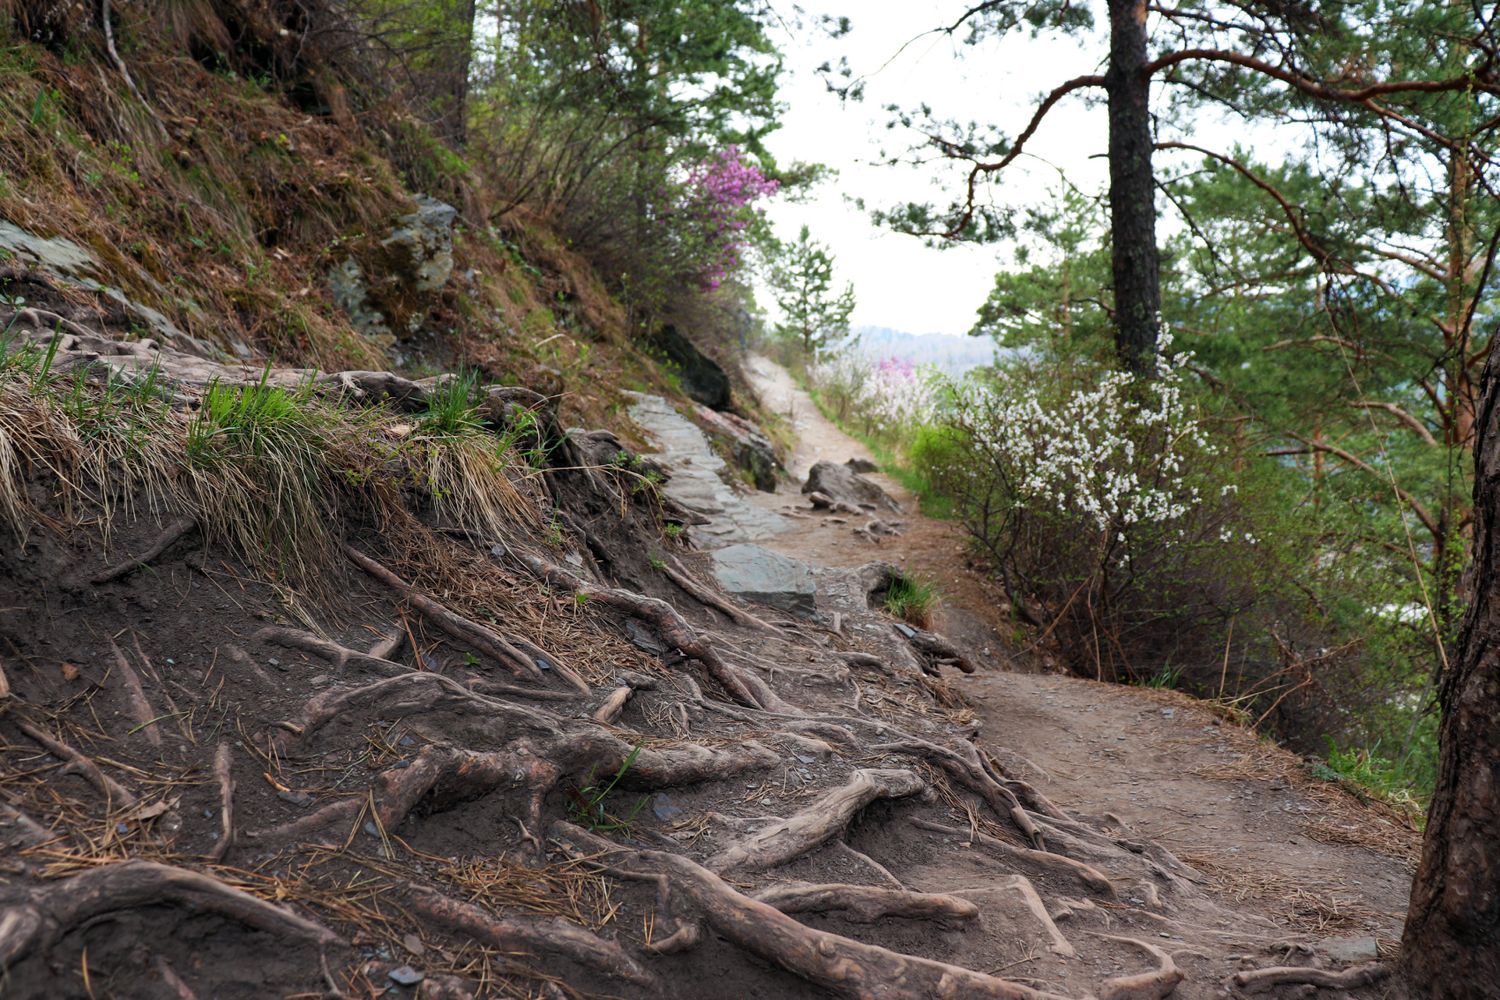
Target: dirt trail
{"type": "Point", "coordinates": [1275, 842]}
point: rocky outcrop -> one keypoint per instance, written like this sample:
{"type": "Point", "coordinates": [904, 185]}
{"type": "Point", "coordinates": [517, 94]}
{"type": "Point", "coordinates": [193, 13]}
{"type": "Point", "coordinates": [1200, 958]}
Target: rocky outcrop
{"type": "Point", "coordinates": [749, 449]}
{"type": "Point", "coordinates": [388, 290]}
{"type": "Point", "coordinates": [757, 574]}
{"type": "Point", "coordinates": [839, 482]}
{"type": "Point", "coordinates": [702, 377]}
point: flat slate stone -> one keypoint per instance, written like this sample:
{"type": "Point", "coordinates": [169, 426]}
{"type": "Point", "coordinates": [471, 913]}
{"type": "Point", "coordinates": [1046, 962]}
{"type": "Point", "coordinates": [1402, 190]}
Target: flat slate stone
{"type": "Point", "coordinates": [758, 574]}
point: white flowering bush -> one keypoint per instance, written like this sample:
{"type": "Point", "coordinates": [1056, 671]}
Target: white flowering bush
{"type": "Point", "coordinates": [887, 399]}
{"type": "Point", "coordinates": [1107, 507]}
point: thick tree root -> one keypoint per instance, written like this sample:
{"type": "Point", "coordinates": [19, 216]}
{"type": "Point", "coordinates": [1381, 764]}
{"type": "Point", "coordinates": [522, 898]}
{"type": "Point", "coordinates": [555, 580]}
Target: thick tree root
{"type": "Point", "coordinates": [820, 822]}
{"type": "Point", "coordinates": [47, 914]}
{"type": "Point", "coordinates": [115, 793]}
{"type": "Point", "coordinates": [1257, 980]}
{"type": "Point", "coordinates": [1154, 985]}
{"type": "Point", "coordinates": [339, 656]}
{"type": "Point", "coordinates": [841, 965]}
{"type": "Point", "coordinates": [865, 904]}
{"type": "Point", "coordinates": [745, 688]}
{"type": "Point", "coordinates": [542, 750]}
{"type": "Point", "coordinates": [609, 711]}
{"type": "Point", "coordinates": [462, 629]}
{"type": "Point", "coordinates": [169, 537]}
{"type": "Point", "coordinates": [547, 936]}
{"type": "Point", "coordinates": [1091, 878]}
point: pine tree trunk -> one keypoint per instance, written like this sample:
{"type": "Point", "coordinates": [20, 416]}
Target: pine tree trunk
{"type": "Point", "coordinates": [1132, 189]}
{"type": "Point", "coordinates": [1451, 947]}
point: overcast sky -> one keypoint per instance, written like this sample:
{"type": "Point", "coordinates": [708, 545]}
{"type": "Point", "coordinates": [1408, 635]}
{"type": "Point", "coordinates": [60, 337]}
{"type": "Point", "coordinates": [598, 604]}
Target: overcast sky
{"type": "Point", "coordinates": [899, 282]}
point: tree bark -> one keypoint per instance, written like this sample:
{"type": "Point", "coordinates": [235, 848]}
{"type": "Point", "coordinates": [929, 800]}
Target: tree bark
{"type": "Point", "coordinates": [1451, 946]}
{"type": "Point", "coordinates": [1132, 189]}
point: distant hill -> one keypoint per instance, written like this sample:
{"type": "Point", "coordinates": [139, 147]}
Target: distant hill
{"type": "Point", "coordinates": [951, 353]}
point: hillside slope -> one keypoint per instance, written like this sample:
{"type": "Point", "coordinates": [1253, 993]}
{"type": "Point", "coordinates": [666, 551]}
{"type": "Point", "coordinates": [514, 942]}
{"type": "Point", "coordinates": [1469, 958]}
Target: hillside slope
{"type": "Point", "coordinates": [349, 647]}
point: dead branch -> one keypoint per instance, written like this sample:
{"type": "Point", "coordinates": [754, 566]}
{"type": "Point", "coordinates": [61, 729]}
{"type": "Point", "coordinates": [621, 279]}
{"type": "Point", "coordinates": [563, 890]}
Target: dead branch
{"type": "Point", "coordinates": [746, 688]}
{"type": "Point", "coordinates": [46, 914]}
{"type": "Point", "coordinates": [339, 656]}
{"type": "Point", "coordinates": [480, 637]}
{"type": "Point", "coordinates": [168, 537]}
{"type": "Point", "coordinates": [1259, 980]}
{"type": "Point", "coordinates": [865, 904]}
{"type": "Point", "coordinates": [842, 965]}
{"type": "Point", "coordinates": [1154, 985]}
{"type": "Point", "coordinates": [536, 935]}
{"type": "Point", "coordinates": [135, 697]}
{"type": "Point", "coordinates": [820, 822]}
{"type": "Point", "coordinates": [225, 778]}
{"type": "Point", "coordinates": [1088, 875]}
{"type": "Point", "coordinates": [114, 792]}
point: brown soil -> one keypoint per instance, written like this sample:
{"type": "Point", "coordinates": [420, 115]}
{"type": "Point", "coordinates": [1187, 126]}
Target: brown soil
{"type": "Point", "coordinates": [1275, 842]}
{"type": "Point", "coordinates": [415, 773]}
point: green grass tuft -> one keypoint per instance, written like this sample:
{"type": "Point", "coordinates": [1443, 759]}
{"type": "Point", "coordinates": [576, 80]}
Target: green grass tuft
{"type": "Point", "coordinates": [911, 599]}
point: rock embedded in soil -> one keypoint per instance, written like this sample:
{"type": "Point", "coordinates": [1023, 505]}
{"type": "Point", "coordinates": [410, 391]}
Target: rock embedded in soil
{"type": "Point", "coordinates": [839, 482]}
{"type": "Point", "coordinates": [758, 574]}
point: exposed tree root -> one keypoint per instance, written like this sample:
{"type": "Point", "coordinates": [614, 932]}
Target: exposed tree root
{"type": "Point", "coordinates": [1022, 885]}
{"type": "Point", "coordinates": [842, 965]}
{"type": "Point", "coordinates": [115, 793]}
{"type": "Point", "coordinates": [1090, 877]}
{"type": "Point", "coordinates": [703, 595]}
{"type": "Point", "coordinates": [169, 976]}
{"type": "Point", "coordinates": [542, 748]}
{"type": "Point", "coordinates": [938, 649]}
{"type": "Point", "coordinates": [820, 822]}
{"type": "Point", "coordinates": [225, 779]}
{"type": "Point", "coordinates": [464, 630]}
{"type": "Point", "coordinates": [1257, 980]}
{"type": "Point", "coordinates": [1154, 985]}
{"type": "Point", "coordinates": [865, 904]}
{"type": "Point", "coordinates": [746, 688]}
{"type": "Point", "coordinates": [135, 697]}
{"type": "Point", "coordinates": [4, 683]}
{"type": "Point", "coordinates": [562, 670]}
{"type": "Point", "coordinates": [535, 935]}
{"type": "Point", "coordinates": [339, 656]}
{"type": "Point", "coordinates": [169, 537]}
{"type": "Point", "coordinates": [613, 705]}
{"type": "Point", "coordinates": [47, 914]}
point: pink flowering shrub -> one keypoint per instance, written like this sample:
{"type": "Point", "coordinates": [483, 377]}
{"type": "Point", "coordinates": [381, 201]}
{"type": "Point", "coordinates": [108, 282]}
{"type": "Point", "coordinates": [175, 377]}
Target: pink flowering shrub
{"type": "Point", "coordinates": [722, 192]}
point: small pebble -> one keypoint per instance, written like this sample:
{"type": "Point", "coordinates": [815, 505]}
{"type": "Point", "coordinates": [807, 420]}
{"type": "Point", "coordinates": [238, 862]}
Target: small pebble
{"type": "Point", "coordinates": [405, 975]}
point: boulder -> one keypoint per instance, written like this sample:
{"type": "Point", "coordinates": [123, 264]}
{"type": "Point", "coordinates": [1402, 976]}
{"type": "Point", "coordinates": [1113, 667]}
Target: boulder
{"type": "Point", "coordinates": [749, 449]}
{"type": "Point", "coordinates": [758, 574]}
{"type": "Point", "coordinates": [388, 289]}
{"type": "Point", "coordinates": [702, 378]}
{"type": "Point", "coordinates": [839, 482]}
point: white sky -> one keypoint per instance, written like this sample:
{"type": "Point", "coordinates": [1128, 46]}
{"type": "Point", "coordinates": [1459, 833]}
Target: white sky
{"type": "Point", "coordinates": [899, 282]}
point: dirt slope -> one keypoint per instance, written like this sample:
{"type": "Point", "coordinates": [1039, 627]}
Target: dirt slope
{"type": "Point", "coordinates": [500, 735]}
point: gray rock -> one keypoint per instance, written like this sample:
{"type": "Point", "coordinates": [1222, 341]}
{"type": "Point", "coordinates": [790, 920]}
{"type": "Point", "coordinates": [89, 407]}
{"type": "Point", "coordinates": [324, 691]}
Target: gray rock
{"type": "Point", "coordinates": [839, 482]}
{"type": "Point", "coordinates": [758, 574]}
{"type": "Point", "coordinates": [425, 238]}
{"type": "Point", "coordinates": [1351, 950]}
{"type": "Point", "coordinates": [405, 975]}
{"type": "Point", "coordinates": [702, 378]}
{"type": "Point", "coordinates": [412, 264]}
